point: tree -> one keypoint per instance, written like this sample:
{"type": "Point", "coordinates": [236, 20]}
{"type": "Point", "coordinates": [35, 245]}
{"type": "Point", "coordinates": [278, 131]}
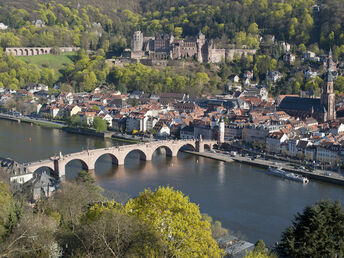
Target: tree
{"type": "Point", "coordinates": [5, 207]}
{"type": "Point", "coordinates": [99, 124]}
{"type": "Point", "coordinates": [90, 81]}
{"type": "Point", "coordinates": [33, 237]}
{"type": "Point", "coordinates": [216, 227]}
{"type": "Point", "coordinates": [114, 234]}
{"type": "Point", "coordinates": [253, 28]}
{"type": "Point", "coordinates": [177, 220]}
{"type": "Point", "coordinates": [71, 201]}
{"type": "Point", "coordinates": [316, 232]}
{"type": "Point", "coordinates": [260, 251]}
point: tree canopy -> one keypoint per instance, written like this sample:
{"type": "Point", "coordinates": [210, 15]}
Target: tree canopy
{"type": "Point", "coordinates": [177, 220]}
{"type": "Point", "coordinates": [316, 232]}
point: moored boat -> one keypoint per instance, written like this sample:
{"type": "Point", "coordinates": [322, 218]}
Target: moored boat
{"type": "Point", "coordinates": [287, 175]}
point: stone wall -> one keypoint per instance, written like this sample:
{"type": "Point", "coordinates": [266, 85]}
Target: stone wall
{"type": "Point", "coordinates": [231, 53]}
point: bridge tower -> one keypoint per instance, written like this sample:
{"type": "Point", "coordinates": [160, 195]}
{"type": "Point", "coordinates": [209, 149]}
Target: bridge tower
{"type": "Point", "coordinates": [199, 144]}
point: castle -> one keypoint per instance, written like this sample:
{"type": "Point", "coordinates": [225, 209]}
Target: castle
{"type": "Point", "coordinates": [322, 109]}
{"type": "Point", "coordinates": [166, 46]}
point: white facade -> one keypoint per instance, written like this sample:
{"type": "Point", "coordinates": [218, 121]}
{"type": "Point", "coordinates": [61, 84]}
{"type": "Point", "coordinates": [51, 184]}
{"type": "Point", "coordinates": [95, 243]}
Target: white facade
{"type": "Point", "coordinates": [273, 144]}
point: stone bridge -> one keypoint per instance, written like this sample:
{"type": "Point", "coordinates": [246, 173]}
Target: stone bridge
{"type": "Point", "coordinates": [88, 158]}
{"type": "Point", "coordinates": [34, 51]}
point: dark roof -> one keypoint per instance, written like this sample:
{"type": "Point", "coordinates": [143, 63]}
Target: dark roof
{"type": "Point", "coordinates": [302, 104]}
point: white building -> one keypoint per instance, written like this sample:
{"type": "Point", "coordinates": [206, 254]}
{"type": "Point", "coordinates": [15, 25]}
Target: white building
{"type": "Point", "coordinates": [274, 141]}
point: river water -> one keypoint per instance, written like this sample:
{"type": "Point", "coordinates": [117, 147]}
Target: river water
{"type": "Point", "coordinates": [248, 202]}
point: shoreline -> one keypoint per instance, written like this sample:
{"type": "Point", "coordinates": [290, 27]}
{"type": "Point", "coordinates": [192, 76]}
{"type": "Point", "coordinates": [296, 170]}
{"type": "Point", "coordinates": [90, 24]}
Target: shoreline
{"type": "Point", "coordinates": [265, 164]}
{"type": "Point", "coordinates": [64, 127]}
{"type": "Point", "coordinates": [31, 121]}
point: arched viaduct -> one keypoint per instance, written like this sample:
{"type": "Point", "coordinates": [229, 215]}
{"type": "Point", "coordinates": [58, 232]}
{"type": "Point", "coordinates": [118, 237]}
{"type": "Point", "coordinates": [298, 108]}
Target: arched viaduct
{"type": "Point", "coordinates": [34, 51]}
{"type": "Point", "coordinates": [88, 158]}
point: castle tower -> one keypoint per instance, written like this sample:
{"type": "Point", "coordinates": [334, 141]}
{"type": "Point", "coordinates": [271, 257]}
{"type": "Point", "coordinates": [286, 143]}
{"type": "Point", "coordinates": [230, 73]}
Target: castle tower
{"type": "Point", "coordinates": [221, 130]}
{"type": "Point", "coordinates": [328, 98]}
{"type": "Point", "coordinates": [137, 41]}
{"type": "Point", "coordinates": [200, 44]}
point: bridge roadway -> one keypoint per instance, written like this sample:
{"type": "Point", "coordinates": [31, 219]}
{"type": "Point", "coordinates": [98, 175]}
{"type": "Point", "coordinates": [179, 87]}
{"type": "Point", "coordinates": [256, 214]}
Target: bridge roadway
{"type": "Point", "coordinates": [88, 158]}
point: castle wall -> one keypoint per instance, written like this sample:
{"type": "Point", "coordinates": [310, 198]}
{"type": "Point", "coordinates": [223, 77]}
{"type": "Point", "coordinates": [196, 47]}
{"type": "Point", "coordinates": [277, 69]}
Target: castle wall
{"type": "Point", "coordinates": [216, 55]}
{"type": "Point", "coordinates": [231, 53]}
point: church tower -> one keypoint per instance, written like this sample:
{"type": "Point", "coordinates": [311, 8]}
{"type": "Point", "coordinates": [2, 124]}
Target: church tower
{"type": "Point", "coordinates": [328, 98]}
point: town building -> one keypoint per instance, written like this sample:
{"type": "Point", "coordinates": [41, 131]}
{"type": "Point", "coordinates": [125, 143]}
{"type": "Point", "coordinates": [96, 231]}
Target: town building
{"type": "Point", "coordinates": [323, 108]}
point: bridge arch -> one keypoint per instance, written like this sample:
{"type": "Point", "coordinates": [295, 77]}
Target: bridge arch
{"type": "Point", "coordinates": [32, 52]}
{"type": "Point", "coordinates": [207, 147]}
{"type": "Point", "coordinates": [20, 52]}
{"type": "Point", "coordinates": [187, 146]}
{"type": "Point", "coordinates": [142, 154]}
{"type": "Point", "coordinates": [37, 51]}
{"type": "Point", "coordinates": [50, 169]}
{"type": "Point", "coordinates": [114, 159]}
{"type": "Point", "coordinates": [83, 163]}
{"type": "Point", "coordinates": [169, 152]}
{"type": "Point", "coordinates": [26, 52]}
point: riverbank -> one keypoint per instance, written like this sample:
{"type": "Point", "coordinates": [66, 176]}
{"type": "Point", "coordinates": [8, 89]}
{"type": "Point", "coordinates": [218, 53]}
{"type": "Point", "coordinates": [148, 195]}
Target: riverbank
{"type": "Point", "coordinates": [32, 121]}
{"type": "Point", "coordinates": [319, 175]}
{"type": "Point", "coordinates": [215, 156]}
{"type": "Point", "coordinates": [82, 131]}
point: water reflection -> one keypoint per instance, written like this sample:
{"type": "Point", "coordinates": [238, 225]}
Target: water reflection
{"type": "Point", "coordinates": [221, 173]}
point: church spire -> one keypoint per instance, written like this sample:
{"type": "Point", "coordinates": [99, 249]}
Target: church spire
{"type": "Point", "coordinates": [331, 65]}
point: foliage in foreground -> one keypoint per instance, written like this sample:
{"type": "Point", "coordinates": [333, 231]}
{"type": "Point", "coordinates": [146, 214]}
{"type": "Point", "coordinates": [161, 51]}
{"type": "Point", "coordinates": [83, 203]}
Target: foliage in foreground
{"type": "Point", "coordinates": [316, 232]}
{"type": "Point", "coordinates": [177, 220]}
{"type": "Point", "coordinates": [155, 224]}
{"type": "Point", "coordinates": [260, 251]}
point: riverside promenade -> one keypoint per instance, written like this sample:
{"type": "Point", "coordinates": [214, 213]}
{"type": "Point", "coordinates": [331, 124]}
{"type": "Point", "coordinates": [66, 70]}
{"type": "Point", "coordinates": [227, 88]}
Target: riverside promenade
{"type": "Point", "coordinates": [29, 120]}
{"type": "Point", "coordinates": [319, 175]}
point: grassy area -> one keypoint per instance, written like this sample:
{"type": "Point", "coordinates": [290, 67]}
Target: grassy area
{"type": "Point", "coordinates": [48, 125]}
{"type": "Point", "coordinates": [43, 124]}
{"type": "Point", "coordinates": [119, 139]}
{"type": "Point", "coordinates": [50, 61]}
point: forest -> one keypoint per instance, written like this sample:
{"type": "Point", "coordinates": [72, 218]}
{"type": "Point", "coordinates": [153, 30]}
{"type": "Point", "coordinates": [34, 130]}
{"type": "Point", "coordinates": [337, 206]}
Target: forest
{"type": "Point", "coordinates": [104, 28]}
{"type": "Point", "coordinates": [77, 22]}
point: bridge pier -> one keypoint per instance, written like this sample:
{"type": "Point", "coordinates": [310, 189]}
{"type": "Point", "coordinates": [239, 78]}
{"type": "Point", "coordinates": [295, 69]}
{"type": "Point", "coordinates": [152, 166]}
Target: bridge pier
{"type": "Point", "coordinates": [199, 146]}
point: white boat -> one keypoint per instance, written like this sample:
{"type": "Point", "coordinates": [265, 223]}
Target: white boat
{"type": "Point", "coordinates": [288, 175]}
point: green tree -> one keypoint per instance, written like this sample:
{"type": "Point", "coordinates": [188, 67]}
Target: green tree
{"type": "Point", "coordinates": [253, 28]}
{"type": "Point", "coordinates": [6, 202]}
{"type": "Point", "coordinates": [316, 232]}
{"type": "Point", "coordinates": [216, 227]}
{"type": "Point", "coordinates": [99, 124]}
{"type": "Point", "coordinates": [260, 251]}
{"type": "Point", "coordinates": [177, 220]}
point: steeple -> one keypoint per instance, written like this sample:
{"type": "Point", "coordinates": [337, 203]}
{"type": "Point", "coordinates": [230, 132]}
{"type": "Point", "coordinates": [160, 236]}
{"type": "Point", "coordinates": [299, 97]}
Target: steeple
{"type": "Point", "coordinates": [328, 97]}
{"type": "Point", "coordinates": [329, 77]}
{"type": "Point", "coordinates": [331, 65]}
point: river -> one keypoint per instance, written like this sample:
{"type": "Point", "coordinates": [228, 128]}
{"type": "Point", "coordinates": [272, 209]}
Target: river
{"type": "Point", "coordinates": [248, 202]}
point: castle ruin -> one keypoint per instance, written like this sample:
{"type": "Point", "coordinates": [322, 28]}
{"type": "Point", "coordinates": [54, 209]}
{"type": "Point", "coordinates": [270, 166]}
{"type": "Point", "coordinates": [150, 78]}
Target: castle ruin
{"type": "Point", "coordinates": [166, 46]}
